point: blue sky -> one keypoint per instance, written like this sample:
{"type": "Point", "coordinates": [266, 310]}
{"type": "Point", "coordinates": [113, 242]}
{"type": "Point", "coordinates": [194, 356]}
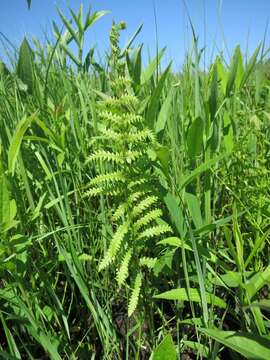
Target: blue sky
{"type": "Point", "coordinates": [238, 21]}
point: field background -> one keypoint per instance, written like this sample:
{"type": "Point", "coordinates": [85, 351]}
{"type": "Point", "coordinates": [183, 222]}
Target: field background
{"type": "Point", "coordinates": [134, 196]}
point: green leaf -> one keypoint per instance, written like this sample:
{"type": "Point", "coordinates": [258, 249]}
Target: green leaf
{"type": "Point", "coordinates": [182, 295]}
{"type": "Point", "coordinates": [176, 213]}
{"type": "Point", "coordinates": [16, 140]}
{"type": "Point", "coordinates": [10, 339]}
{"type": "Point", "coordinates": [78, 19]}
{"type": "Point", "coordinates": [4, 201]}
{"type": "Point", "coordinates": [130, 41]}
{"type": "Point", "coordinates": [214, 141]}
{"type": "Point", "coordinates": [155, 98]}
{"type": "Point", "coordinates": [251, 346]}
{"type": "Point", "coordinates": [199, 170]}
{"type": "Point", "coordinates": [25, 65]}
{"type": "Point", "coordinates": [90, 20]}
{"type": "Point", "coordinates": [134, 63]}
{"type": "Point", "coordinates": [213, 96]}
{"type": "Point", "coordinates": [240, 72]}
{"type": "Point", "coordinates": [258, 281]}
{"type": "Point", "coordinates": [165, 350]}
{"type": "Point", "coordinates": [176, 242]}
{"type": "Point", "coordinates": [43, 165]}
{"type": "Point", "coordinates": [69, 27]}
{"type": "Point", "coordinates": [7, 356]}
{"type": "Point", "coordinates": [195, 138]}
{"type": "Point", "coordinates": [151, 68]}
{"type": "Point", "coordinates": [232, 278]}
{"type": "Point", "coordinates": [10, 215]}
{"type": "Point", "coordinates": [222, 75]}
{"type": "Point", "coordinates": [229, 141]}
{"type": "Point", "coordinates": [194, 209]}
{"type": "Point", "coordinates": [164, 113]}
{"type": "Point", "coordinates": [137, 66]}
{"type": "Point", "coordinates": [205, 229]}
{"type": "Point", "coordinates": [29, 3]}
{"type": "Point", "coordinates": [163, 155]}
{"type": "Point", "coordinates": [250, 66]}
{"type": "Point", "coordinates": [3, 69]}
{"type": "Point", "coordinates": [262, 304]}
{"type": "Point", "coordinates": [233, 71]}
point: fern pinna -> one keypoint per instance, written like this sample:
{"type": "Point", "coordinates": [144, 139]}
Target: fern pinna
{"type": "Point", "coordinates": [124, 144]}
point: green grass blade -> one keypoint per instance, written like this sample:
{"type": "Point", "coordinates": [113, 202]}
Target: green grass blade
{"type": "Point", "coordinates": [16, 141]}
{"type": "Point", "coordinates": [249, 345]}
{"type": "Point", "coordinates": [183, 295]}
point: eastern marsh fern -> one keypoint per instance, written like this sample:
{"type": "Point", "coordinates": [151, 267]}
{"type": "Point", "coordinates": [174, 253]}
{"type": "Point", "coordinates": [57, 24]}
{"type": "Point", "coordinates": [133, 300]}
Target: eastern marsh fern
{"type": "Point", "coordinates": [124, 143]}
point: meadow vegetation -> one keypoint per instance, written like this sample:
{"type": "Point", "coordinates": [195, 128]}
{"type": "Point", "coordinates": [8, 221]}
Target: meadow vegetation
{"type": "Point", "coordinates": [134, 201]}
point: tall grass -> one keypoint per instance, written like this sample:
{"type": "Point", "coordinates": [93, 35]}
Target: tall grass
{"type": "Point", "coordinates": [205, 287]}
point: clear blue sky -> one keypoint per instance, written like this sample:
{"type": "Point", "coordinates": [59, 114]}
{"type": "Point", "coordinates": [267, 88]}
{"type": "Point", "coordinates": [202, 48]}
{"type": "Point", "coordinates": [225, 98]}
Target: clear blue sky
{"type": "Point", "coordinates": [241, 21]}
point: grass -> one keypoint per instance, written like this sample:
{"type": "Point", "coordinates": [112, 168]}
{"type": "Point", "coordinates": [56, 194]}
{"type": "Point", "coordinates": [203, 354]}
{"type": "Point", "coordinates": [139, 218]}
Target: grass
{"type": "Point", "coordinates": [134, 203]}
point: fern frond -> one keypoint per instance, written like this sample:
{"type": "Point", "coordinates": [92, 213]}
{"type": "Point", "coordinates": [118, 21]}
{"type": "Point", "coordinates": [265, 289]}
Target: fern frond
{"type": "Point", "coordinates": [135, 183]}
{"type": "Point", "coordinates": [135, 196]}
{"type": "Point", "coordinates": [108, 178]}
{"type": "Point", "coordinates": [122, 147]}
{"type": "Point", "coordinates": [120, 84]}
{"type": "Point", "coordinates": [122, 273]}
{"type": "Point", "coordinates": [146, 219]}
{"type": "Point", "coordinates": [120, 211]}
{"type": "Point", "coordinates": [130, 119]}
{"type": "Point", "coordinates": [108, 116]}
{"type": "Point", "coordinates": [116, 66]}
{"type": "Point", "coordinates": [115, 157]}
{"type": "Point", "coordinates": [124, 102]}
{"type": "Point", "coordinates": [143, 205]}
{"type": "Point", "coordinates": [145, 134]}
{"type": "Point", "coordinates": [112, 192]}
{"type": "Point", "coordinates": [106, 156]}
{"type": "Point", "coordinates": [155, 231]}
{"type": "Point", "coordinates": [131, 156]}
{"type": "Point", "coordinates": [111, 134]}
{"type": "Point", "coordinates": [114, 246]}
{"type": "Point", "coordinates": [93, 192]}
{"type": "Point", "coordinates": [135, 295]}
{"type": "Point", "coordinates": [148, 262]}
{"type": "Point", "coordinates": [108, 190]}
{"type": "Point", "coordinates": [119, 120]}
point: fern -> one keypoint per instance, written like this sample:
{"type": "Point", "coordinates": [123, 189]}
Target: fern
{"type": "Point", "coordinates": [110, 134]}
{"type": "Point", "coordinates": [124, 141]}
{"type": "Point", "coordinates": [108, 190]}
{"type": "Point", "coordinates": [104, 155]}
{"type": "Point", "coordinates": [108, 178]}
{"type": "Point", "coordinates": [115, 244]}
{"type": "Point", "coordinates": [93, 192]}
{"type": "Point", "coordinates": [135, 294]}
{"type": "Point", "coordinates": [155, 231]}
{"type": "Point", "coordinates": [122, 273]}
{"type": "Point", "coordinates": [135, 196]}
{"type": "Point", "coordinates": [146, 219]}
{"type": "Point", "coordinates": [134, 184]}
{"type": "Point", "coordinates": [144, 204]}
{"type": "Point", "coordinates": [119, 212]}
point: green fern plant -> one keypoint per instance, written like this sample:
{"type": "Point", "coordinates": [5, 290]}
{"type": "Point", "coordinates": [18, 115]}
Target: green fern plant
{"type": "Point", "coordinates": [125, 143]}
